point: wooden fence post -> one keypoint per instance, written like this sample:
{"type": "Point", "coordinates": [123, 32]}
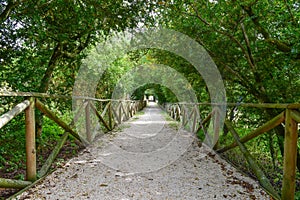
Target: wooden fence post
{"type": "Point", "coordinates": [110, 116]}
{"type": "Point", "coordinates": [88, 122]}
{"type": "Point", "coordinates": [30, 141]}
{"type": "Point", "coordinates": [178, 112]}
{"type": "Point", "coordinates": [290, 156]}
{"type": "Point", "coordinates": [183, 114]}
{"type": "Point", "coordinates": [195, 119]}
{"type": "Point", "coordinates": [216, 127]}
{"type": "Point", "coordinates": [120, 112]}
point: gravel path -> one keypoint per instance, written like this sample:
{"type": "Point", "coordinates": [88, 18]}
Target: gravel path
{"type": "Point", "coordinates": [146, 159]}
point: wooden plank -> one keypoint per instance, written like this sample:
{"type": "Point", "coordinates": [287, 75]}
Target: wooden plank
{"type": "Point", "coordinates": [255, 133]}
{"type": "Point", "coordinates": [208, 117]}
{"type": "Point", "coordinates": [30, 141]}
{"type": "Point", "coordinates": [79, 111]}
{"type": "Point", "coordinates": [133, 107]}
{"type": "Point", "coordinates": [53, 117]}
{"type": "Point", "coordinates": [172, 112]}
{"type": "Point", "coordinates": [129, 108]}
{"type": "Point", "coordinates": [47, 165]}
{"type": "Point", "coordinates": [202, 123]}
{"type": "Point", "coordinates": [290, 157]}
{"type": "Point", "coordinates": [88, 122]}
{"type": "Point", "coordinates": [120, 112]}
{"type": "Point", "coordinates": [189, 117]}
{"type": "Point", "coordinates": [295, 115]}
{"type": "Point", "coordinates": [255, 105]}
{"type": "Point", "coordinates": [105, 110]}
{"type": "Point", "coordinates": [10, 183]}
{"type": "Point", "coordinates": [216, 127]}
{"type": "Point", "coordinates": [110, 116]}
{"type": "Point", "coordinates": [115, 114]}
{"type": "Point", "coordinates": [8, 116]}
{"type": "Point", "coordinates": [177, 112]}
{"type": "Point", "coordinates": [252, 105]}
{"type": "Point", "coordinates": [124, 111]}
{"type": "Point", "coordinates": [32, 94]}
{"type": "Point", "coordinates": [100, 117]}
{"type": "Point", "coordinates": [195, 119]}
{"type": "Point", "coordinates": [183, 114]}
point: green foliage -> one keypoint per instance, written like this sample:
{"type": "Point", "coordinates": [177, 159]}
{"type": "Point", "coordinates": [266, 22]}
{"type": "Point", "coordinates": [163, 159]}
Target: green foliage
{"type": "Point", "coordinates": [244, 46]}
{"type": "Point", "coordinates": [12, 139]}
{"type": "Point", "coordinates": [42, 42]}
{"type": "Point", "coordinates": [12, 149]}
{"type": "Point", "coordinates": [297, 195]}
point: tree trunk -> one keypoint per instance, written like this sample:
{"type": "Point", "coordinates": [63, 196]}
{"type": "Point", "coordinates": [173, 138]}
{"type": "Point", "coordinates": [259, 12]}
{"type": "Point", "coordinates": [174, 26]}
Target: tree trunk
{"type": "Point", "coordinates": [44, 86]}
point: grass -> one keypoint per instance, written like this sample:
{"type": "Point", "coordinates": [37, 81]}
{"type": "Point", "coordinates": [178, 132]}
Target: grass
{"type": "Point", "coordinates": [121, 127]}
{"type": "Point", "coordinates": [139, 113]}
{"type": "Point", "coordinates": [171, 122]}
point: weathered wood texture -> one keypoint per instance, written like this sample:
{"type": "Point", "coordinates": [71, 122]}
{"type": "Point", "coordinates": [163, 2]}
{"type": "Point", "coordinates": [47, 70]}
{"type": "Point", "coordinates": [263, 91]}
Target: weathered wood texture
{"type": "Point", "coordinates": [5, 118]}
{"type": "Point", "coordinates": [9, 183]}
{"type": "Point", "coordinates": [53, 117]}
{"type": "Point", "coordinates": [257, 132]}
{"type": "Point", "coordinates": [30, 141]}
{"type": "Point", "coordinates": [47, 165]}
{"type": "Point", "coordinates": [290, 157]}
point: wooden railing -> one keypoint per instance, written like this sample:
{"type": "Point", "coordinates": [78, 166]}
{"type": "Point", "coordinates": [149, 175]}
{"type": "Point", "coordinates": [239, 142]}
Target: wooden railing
{"type": "Point", "coordinates": [113, 113]}
{"type": "Point", "coordinates": [290, 117]}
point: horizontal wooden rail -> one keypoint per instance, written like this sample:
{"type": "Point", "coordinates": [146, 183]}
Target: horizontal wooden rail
{"type": "Point", "coordinates": [52, 116]}
{"type": "Point", "coordinates": [253, 134]}
{"type": "Point", "coordinates": [5, 118]}
{"type": "Point", "coordinates": [296, 115]}
{"type": "Point", "coordinates": [53, 96]}
{"type": "Point", "coordinates": [253, 105]}
{"type": "Point", "coordinates": [32, 94]}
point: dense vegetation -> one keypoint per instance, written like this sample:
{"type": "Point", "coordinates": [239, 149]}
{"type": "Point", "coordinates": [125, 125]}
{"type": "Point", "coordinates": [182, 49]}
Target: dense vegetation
{"type": "Point", "coordinates": [255, 45]}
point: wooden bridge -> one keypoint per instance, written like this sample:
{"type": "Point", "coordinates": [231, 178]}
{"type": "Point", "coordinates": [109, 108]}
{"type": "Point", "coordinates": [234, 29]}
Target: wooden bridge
{"type": "Point", "coordinates": [189, 115]}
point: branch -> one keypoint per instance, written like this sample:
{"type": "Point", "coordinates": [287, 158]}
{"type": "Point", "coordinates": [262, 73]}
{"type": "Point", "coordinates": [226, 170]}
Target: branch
{"type": "Point", "coordinates": [10, 6]}
{"type": "Point", "coordinates": [240, 78]}
{"type": "Point", "coordinates": [77, 50]}
{"type": "Point", "coordinates": [231, 37]}
{"type": "Point", "coordinates": [251, 59]}
{"type": "Point", "coordinates": [50, 68]}
{"type": "Point", "coordinates": [278, 44]}
{"type": "Point", "coordinates": [290, 12]}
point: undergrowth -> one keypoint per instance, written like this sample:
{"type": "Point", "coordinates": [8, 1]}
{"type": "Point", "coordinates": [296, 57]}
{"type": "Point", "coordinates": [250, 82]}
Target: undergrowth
{"type": "Point", "coordinates": [12, 148]}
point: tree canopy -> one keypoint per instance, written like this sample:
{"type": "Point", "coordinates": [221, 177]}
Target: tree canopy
{"type": "Point", "coordinates": [255, 44]}
{"type": "Point", "coordinates": [42, 42]}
